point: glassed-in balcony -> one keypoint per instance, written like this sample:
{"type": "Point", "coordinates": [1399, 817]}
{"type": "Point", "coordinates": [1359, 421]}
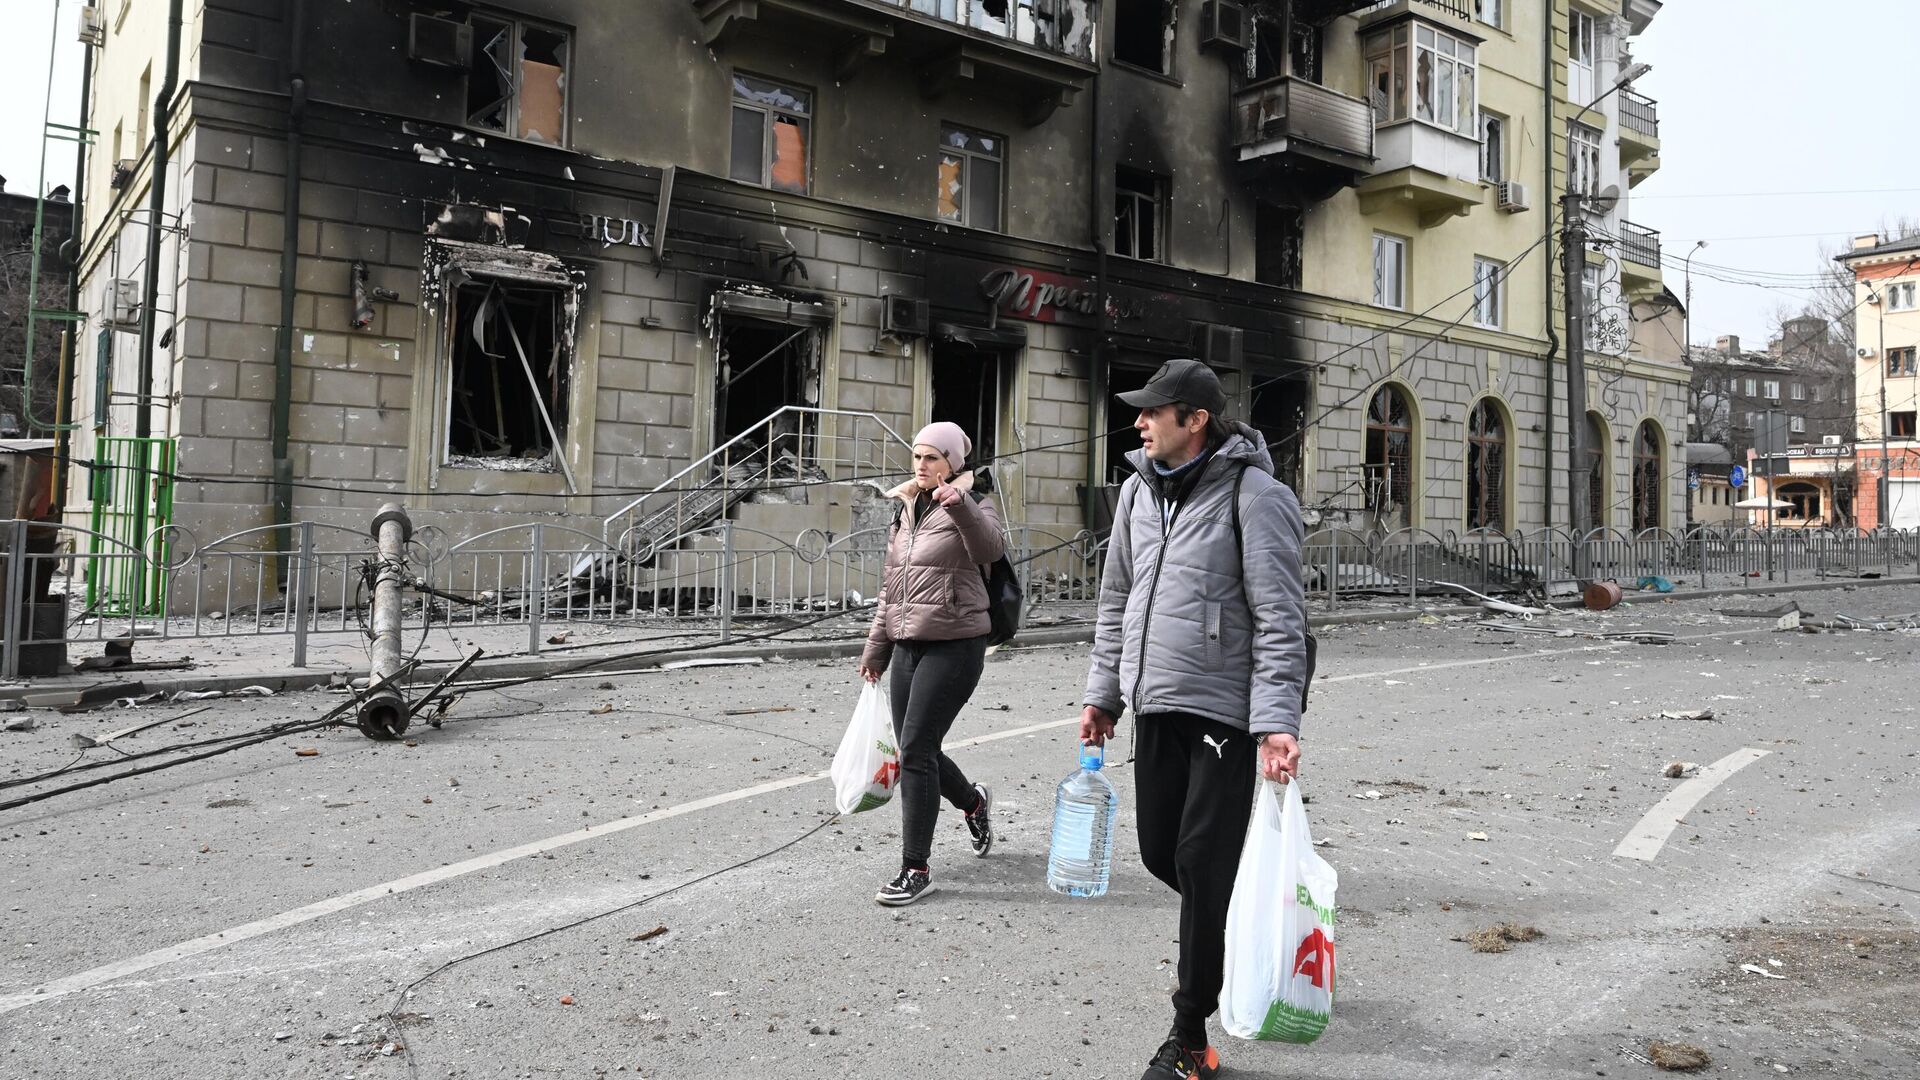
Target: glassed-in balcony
{"type": "Point", "coordinates": [1041, 51]}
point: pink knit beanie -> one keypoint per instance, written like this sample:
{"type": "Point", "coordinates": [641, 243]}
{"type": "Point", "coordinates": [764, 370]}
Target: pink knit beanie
{"type": "Point", "coordinates": [947, 438]}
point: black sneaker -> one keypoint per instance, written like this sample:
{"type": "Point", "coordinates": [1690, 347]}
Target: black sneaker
{"type": "Point", "coordinates": [911, 885]}
{"type": "Point", "coordinates": [1176, 1062]}
{"type": "Point", "coordinates": [978, 823]}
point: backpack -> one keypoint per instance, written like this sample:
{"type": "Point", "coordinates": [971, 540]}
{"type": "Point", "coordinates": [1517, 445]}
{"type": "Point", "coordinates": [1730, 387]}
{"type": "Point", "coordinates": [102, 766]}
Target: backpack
{"type": "Point", "coordinates": [1005, 597]}
{"type": "Point", "coordinates": [1239, 544]}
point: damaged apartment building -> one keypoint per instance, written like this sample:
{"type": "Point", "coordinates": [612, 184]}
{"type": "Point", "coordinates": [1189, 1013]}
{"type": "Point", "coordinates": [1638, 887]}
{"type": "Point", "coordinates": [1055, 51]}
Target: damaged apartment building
{"type": "Point", "coordinates": [537, 258]}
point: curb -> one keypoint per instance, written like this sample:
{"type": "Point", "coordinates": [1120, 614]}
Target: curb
{"type": "Point", "coordinates": [521, 667]}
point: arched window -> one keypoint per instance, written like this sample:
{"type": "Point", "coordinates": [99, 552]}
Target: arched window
{"type": "Point", "coordinates": [1597, 500]}
{"type": "Point", "coordinates": [1389, 461]}
{"type": "Point", "coordinates": [1804, 500]}
{"type": "Point", "coordinates": [1646, 477]}
{"type": "Point", "coordinates": [1487, 466]}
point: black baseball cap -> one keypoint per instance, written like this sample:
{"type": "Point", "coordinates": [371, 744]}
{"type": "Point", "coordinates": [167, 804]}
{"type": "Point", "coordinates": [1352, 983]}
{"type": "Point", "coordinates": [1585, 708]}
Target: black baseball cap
{"type": "Point", "coordinates": [1180, 382]}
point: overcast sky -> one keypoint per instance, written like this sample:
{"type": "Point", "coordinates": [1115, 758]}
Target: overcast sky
{"type": "Point", "coordinates": [1784, 130]}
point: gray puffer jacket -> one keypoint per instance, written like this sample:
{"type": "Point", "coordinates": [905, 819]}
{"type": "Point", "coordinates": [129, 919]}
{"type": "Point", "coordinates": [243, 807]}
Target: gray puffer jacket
{"type": "Point", "coordinates": [1191, 621]}
{"type": "Point", "coordinates": [931, 589]}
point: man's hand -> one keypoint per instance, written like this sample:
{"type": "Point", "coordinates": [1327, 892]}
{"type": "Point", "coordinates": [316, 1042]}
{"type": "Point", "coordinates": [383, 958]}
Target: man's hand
{"type": "Point", "coordinates": [869, 674]}
{"type": "Point", "coordinates": [946, 494]}
{"type": "Point", "coordinates": [1096, 726]}
{"type": "Point", "coordinates": [1279, 758]}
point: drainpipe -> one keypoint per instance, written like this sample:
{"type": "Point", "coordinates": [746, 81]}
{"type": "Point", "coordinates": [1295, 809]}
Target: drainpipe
{"type": "Point", "coordinates": [1096, 367]}
{"type": "Point", "coordinates": [156, 207]}
{"type": "Point", "coordinates": [73, 245]}
{"type": "Point", "coordinates": [279, 422]}
{"type": "Point", "coordinates": [1553, 340]}
{"type": "Point", "coordinates": [384, 715]}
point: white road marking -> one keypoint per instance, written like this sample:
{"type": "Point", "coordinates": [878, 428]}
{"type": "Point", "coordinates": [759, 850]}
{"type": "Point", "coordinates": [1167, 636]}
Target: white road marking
{"type": "Point", "coordinates": [121, 969]}
{"type": "Point", "coordinates": [1651, 833]}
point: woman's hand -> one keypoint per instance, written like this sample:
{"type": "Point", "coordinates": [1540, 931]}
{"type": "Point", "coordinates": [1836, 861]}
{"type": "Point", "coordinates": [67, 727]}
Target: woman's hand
{"type": "Point", "coordinates": [869, 674]}
{"type": "Point", "coordinates": [947, 495]}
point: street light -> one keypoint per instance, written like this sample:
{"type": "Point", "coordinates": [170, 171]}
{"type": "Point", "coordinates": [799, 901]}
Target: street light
{"type": "Point", "coordinates": [1884, 483]}
{"type": "Point", "coordinates": [1573, 249]}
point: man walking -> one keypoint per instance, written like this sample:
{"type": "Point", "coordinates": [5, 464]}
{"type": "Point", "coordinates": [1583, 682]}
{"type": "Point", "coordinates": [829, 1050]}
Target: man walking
{"type": "Point", "coordinates": [1203, 633]}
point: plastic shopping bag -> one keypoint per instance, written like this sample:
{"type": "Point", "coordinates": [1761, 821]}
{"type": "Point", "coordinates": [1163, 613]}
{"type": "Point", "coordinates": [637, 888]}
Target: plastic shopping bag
{"type": "Point", "coordinates": [1279, 977]}
{"type": "Point", "coordinates": [866, 768]}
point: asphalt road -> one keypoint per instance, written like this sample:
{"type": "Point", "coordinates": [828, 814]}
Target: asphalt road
{"type": "Point", "coordinates": [261, 914]}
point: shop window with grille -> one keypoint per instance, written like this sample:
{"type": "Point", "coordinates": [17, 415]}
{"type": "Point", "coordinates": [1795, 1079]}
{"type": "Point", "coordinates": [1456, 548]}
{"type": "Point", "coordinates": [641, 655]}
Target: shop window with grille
{"type": "Point", "coordinates": [1646, 477]}
{"type": "Point", "coordinates": [1389, 462]}
{"type": "Point", "coordinates": [1487, 467]}
{"type": "Point", "coordinates": [517, 79]}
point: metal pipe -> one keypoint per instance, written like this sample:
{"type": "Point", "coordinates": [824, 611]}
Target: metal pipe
{"type": "Point", "coordinates": [156, 219]}
{"type": "Point", "coordinates": [280, 420]}
{"type": "Point", "coordinates": [384, 714]}
{"type": "Point", "coordinates": [63, 425]}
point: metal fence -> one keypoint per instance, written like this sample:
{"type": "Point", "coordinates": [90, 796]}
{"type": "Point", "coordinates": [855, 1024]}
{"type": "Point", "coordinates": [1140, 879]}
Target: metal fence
{"type": "Point", "coordinates": [539, 577]}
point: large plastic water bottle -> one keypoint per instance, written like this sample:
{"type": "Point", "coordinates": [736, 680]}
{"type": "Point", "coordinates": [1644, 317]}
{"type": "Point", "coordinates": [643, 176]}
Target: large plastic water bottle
{"type": "Point", "coordinates": [1084, 809]}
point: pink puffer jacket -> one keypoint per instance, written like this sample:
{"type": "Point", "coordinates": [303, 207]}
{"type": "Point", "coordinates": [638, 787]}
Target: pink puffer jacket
{"type": "Point", "coordinates": [931, 590]}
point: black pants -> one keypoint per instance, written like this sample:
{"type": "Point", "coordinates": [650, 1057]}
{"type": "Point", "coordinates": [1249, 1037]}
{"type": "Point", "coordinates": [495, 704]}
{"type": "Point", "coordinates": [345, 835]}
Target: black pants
{"type": "Point", "coordinates": [1193, 782]}
{"type": "Point", "coordinates": [932, 681]}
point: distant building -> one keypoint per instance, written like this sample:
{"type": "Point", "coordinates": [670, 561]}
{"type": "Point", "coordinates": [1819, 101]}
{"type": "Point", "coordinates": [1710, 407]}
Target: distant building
{"type": "Point", "coordinates": [1886, 275]}
{"type": "Point", "coordinates": [17, 212]}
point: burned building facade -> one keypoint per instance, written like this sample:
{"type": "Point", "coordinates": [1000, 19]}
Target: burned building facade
{"type": "Point", "coordinates": [541, 257]}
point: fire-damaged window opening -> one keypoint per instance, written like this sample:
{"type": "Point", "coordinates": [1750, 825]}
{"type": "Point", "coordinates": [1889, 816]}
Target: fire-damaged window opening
{"type": "Point", "coordinates": [1486, 467]}
{"type": "Point", "coordinates": [1596, 470]}
{"type": "Point", "coordinates": [1122, 439]}
{"type": "Point", "coordinates": [517, 79]}
{"type": "Point", "coordinates": [1270, 54]}
{"type": "Point", "coordinates": [1143, 34]}
{"type": "Point", "coordinates": [1646, 478]}
{"type": "Point", "coordinates": [762, 368]}
{"type": "Point", "coordinates": [1279, 234]}
{"type": "Point", "coordinates": [1139, 214]}
{"type": "Point", "coordinates": [509, 375]}
{"type": "Point", "coordinates": [1389, 461]}
{"type": "Point", "coordinates": [969, 388]}
{"type": "Point", "coordinates": [1279, 411]}
{"type": "Point", "coordinates": [772, 134]}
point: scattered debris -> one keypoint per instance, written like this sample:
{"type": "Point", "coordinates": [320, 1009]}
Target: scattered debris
{"type": "Point", "coordinates": [1775, 613]}
{"type": "Point", "coordinates": [1678, 1057]}
{"type": "Point", "coordinates": [1477, 836]}
{"type": "Point", "coordinates": [789, 708]}
{"type": "Point", "coordinates": [1687, 714]}
{"type": "Point", "coordinates": [282, 1036]}
{"type": "Point", "coordinates": [1369, 794]}
{"type": "Point", "coordinates": [24, 723]}
{"type": "Point", "coordinates": [1675, 770]}
{"type": "Point", "coordinates": [89, 742]}
{"type": "Point", "coordinates": [566, 999]}
{"type": "Point", "coordinates": [307, 751]}
{"type": "Point", "coordinates": [1789, 621]}
{"type": "Point", "coordinates": [1657, 584]}
{"type": "Point", "coordinates": [1756, 969]}
{"type": "Point", "coordinates": [1497, 939]}
{"type": "Point", "coordinates": [86, 698]}
{"type": "Point", "coordinates": [648, 935]}
{"type": "Point", "coordinates": [711, 661]}
{"type": "Point", "coordinates": [600, 710]}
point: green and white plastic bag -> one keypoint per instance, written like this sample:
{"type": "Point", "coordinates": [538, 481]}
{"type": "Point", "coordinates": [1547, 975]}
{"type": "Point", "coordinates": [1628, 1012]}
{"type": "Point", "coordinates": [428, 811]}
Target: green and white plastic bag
{"type": "Point", "coordinates": [866, 768]}
{"type": "Point", "coordinates": [1279, 977]}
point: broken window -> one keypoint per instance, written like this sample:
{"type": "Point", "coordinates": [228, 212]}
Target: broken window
{"type": "Point", "coordinates": [1279, 411]}
{"type": "Point", "coordinates": [970, 178]}
{"type": "Point", "coordinates": [1803, 500]}
{"type": "Point", "coordinates": [1143, 34]}
{"type": "Point", "coordinates": [1596, 471]}
{"type": "Point", "coordinates": [517, 80]}
{"type": "Point", "coordinates": [510, 373]}
{"type": "Point", "coordinates": [1138, 213]}
{"type": "Point", "coordinates": [1900, 361]}
{"type": "Point", "coordinates": [1122, 439]}
{"type": "Point", "coordinates": [1389, 271]}
{"type": "Point", "coordinates": [968, 388]}
{"type": "Point", "coordinates": [1388, 467]}
{"type": "Point", "coordinates": [1488, 298]}
{"type": "Point", "coordinates": [1486, 467]}
{"type": "Point", "coordinates": [1493, 147]}
{"type": "Point", "coordinates": [1283, 48]}
{"type": "Point", "coordinates": [1279, 232]}
{"type": "Point", "coordinates": [772, 133]}
{"type": "Point", "coordinates": [1646, 477]}
{"type": "Point", "coordinates": [1586, 160]}
{"type": "Point", "coordinates": [1900, 425]}
{"type": "Point", "coordinates": [1443, 76]}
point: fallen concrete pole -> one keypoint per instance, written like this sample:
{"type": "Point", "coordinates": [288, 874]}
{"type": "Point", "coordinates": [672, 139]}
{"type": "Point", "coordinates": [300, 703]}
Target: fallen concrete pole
{"type": "Point", "coordinates": [384, 714]}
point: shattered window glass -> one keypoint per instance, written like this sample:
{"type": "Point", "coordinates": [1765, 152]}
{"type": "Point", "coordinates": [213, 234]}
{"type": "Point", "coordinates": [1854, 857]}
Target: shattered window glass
{"type": "Point", "coordinates": [1596, 471]}
{"type": "Point", "coordinates": [1486, 467]}
{"type": "Point", "coordinates": [511, 366]}
{"type": "Point", "coordinates": [1136, 215]}
{"type": "Point", "coordinates": [517, 81]}
{"type": "Point", "coordinates": [1388, 465]}
{"type": "Point", "coordinates": [1646, 478]}
{"type": "Point", "coordinates": [969, 178]}
{"type": "Point", "coordinates": [772, 132]}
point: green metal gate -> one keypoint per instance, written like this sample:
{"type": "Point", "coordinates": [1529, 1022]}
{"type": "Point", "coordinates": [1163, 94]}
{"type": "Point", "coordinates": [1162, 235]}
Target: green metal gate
{"type": "Point", "coordinates": [132, 498]}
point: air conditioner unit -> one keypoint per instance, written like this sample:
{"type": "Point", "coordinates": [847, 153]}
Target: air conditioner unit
{"type": "Point", "coordinates": [93, 27]}
{"type": "Point", "coordinates": [122, 173]}
{"type": "Point", "coordinates": [440, 42]}
{"type": "Point", "coordinates": [1225, 23]}
{"type": "Point", "coordinates": [1218, 346]}
{"type": "Point", "coordinates": [905, 316]}
{"type": "Point", "coordinates": [1512, 196]}
{"type": "Point", "coordinates": [1863, 352]}
{"type": "Point", "coordinates": [124, 300]}
{"type": "Point", "coordinates": [1831, 440]}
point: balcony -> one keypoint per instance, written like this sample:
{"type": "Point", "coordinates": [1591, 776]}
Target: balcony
{"type": "Point", "coordinates": [1295, 130]}
{"type": "Point", "coordinates": [1426, 168]}
{"type": "Point", "coordinates": [1639, 259]}
{"type": "Point", "coordinates": [1041, 51]}
{"type": "Point", "coordinates": [1639, 135]}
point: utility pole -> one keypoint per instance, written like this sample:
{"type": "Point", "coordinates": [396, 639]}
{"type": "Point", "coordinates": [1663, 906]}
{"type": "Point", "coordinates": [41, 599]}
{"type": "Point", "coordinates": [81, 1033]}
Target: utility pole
{"type": "Point", "coordinates": [1573, 264]}
{"type": "Point", "coordinates": [1773, 439]}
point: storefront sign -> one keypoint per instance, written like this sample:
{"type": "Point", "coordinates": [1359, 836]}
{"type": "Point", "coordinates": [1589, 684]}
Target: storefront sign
{"type": "Point", "coordinates": [608, 231]}
{"type": "Point", "coordinates": [1043, 297]}
{"type": "Point", "coordinates": [1822, 451]}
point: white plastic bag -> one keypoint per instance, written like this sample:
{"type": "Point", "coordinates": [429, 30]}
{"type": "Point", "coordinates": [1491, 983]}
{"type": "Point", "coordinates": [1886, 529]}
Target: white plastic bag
{"type": "Point", "coordinates": [866, 768]}
{"type": "Point", "coordinates": [1279, 977]}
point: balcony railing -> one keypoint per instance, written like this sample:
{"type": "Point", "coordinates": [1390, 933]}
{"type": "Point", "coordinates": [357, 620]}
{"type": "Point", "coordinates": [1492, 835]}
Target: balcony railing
{"type": "Point", "coordinates": [1060, 26]}
{"type": "Point", "coordinates": [1331, 125]}
{"type": "Point", "coordinates": [1638, 113]}
{"type": "Point", "coordinates": [1463, 10]}
{"type": "Point", "coordinates": [1639, 245]}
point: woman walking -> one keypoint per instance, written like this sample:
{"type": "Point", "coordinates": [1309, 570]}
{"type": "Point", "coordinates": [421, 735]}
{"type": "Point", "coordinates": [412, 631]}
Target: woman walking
{"type": "Point", "coordinates": [932, 626]}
